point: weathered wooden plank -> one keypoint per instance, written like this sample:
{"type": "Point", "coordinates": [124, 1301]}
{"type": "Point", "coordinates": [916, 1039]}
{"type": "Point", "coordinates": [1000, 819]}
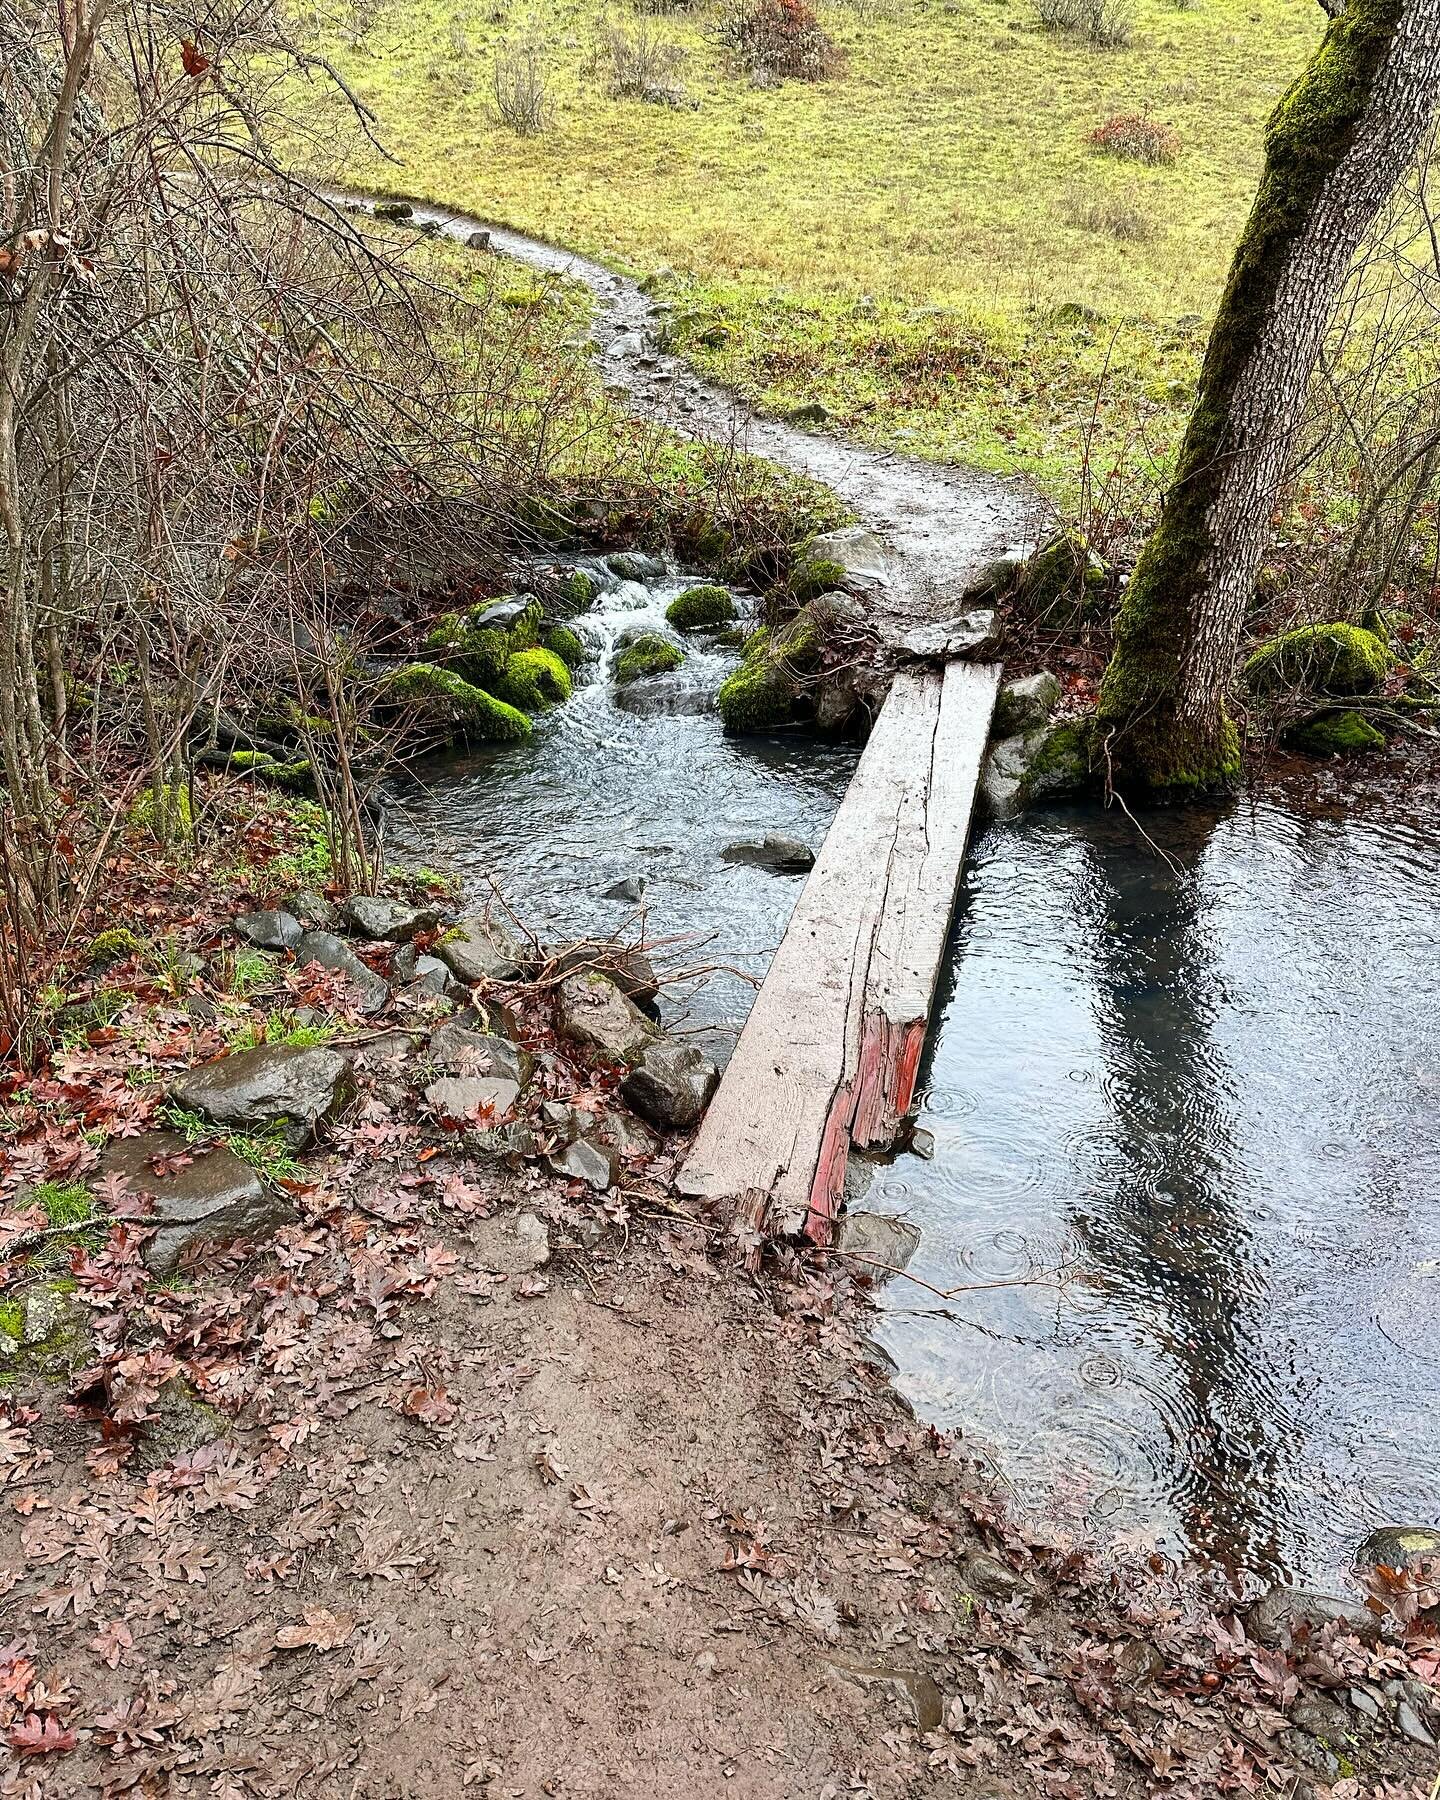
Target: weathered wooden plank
{"type": "Point", "coordinates": [829, 1054]}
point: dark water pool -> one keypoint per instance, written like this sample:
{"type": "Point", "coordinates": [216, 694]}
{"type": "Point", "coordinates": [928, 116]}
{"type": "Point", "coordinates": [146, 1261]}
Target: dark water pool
{"type": "Point", "coordinates": [1201, 1086]}
{"type": "Point", "coordinates": [1189, 1091]}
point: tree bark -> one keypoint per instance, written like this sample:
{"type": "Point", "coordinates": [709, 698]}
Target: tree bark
{"type": "Point", "coordinates": [1335, 148]}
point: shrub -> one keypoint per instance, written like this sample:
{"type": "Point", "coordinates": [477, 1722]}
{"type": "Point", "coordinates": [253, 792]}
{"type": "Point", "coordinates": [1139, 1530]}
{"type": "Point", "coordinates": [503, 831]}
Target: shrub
{"type": "Point", "coordinates": [640, 67]}
{"type": "Point", "coordinates": [1136, 137]}
{"type": "Point", "coordinates": [778, 40]}
{"type": "Point", "coordinates": [1108, 23]}
{"type": "Point", "coordinates": [521, 84]}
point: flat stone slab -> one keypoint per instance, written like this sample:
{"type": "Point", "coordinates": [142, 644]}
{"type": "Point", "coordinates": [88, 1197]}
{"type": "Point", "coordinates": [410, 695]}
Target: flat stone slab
{"type": "Point", "coordinates": [269, 930]}
{"type": "Point", "coordinates": [785, 855]}
{"type": "Point", "coordinates": [297, 1088]}
{"type": "Point", "coordinates": [484, 1101]}
{"type": "Point", "coordinates": [459, 1050]}
{"type": "Point", "coordinates": [211, 1198]}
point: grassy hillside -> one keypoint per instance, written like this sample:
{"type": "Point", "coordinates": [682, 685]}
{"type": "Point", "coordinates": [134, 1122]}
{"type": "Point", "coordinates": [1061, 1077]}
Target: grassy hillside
{"type": "Point", "coordinates": [894, 240]}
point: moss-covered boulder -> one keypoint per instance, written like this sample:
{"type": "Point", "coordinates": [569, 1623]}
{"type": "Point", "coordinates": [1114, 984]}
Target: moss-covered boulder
{"type": "Point", "coordinates": [771, 688]}
{"type": "Point", "coordinates": [1052, 762]}
{"type": "Point", "coordinates": [561, 641]}
{"type": "Point", "coordinates": [444, 701]}
{"type": "Point", "coordinates": [1337, 732]}
{"type": "Point", "coordinates": [1064, 579]}
{"type": "Point", "coordinates": [534, 679]}
{"type": "Point", "coordinates": [701, 608]}
{"type": "Point", "coordinates": [112, 946]}
{"type": "Point", "coordinates": [574, 593]}
{"type": "Point", "coordinates": [1320, 659]}
{"type": "Point", "coordinates": [650, 654]}
{"type": "Point", "coordinates": [478, 652]}
{"type": "Point", "coordinates": [295, 776]}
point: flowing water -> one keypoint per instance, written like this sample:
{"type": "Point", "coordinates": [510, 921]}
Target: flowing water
{"type": "Point", "coordinates": [1181, 1092]}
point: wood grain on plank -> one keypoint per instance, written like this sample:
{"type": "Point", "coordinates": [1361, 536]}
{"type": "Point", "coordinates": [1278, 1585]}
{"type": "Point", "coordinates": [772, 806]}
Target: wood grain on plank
{"type": "Point", "coordinates": [830, 1052]}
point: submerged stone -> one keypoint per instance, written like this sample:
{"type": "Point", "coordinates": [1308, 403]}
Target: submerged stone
{"type": "Point", "coordinates": [1399, 1547]}
{"type": "Point", "coordinates": [884, 1243]}
{"type": "Point", "coordinates": [1282, 1614]}
{"type": "Point", "coordinates": [294, 1088]}
{"type": "Point", "coordinates": [202, 1195]}
{"type": "Point", "coordinates": [785, 855]}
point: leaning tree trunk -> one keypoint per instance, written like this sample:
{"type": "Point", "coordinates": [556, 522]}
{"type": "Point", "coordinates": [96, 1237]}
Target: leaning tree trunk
{"type": "Point", "coordinates": [1335, 148]}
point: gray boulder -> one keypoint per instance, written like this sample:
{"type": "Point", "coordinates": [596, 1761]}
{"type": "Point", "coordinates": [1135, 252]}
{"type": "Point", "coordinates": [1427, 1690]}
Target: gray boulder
{"type": "Point", "coordinates": [313, 910]}
{"type": "Point", "coordinates": [886, 1243]}
{"type": "Point", "coordinates": [636, 565]}
{"type": "Point", "coordinates": [373, 916]}
{"type": "Point", "coordinates": [393, 209]}
{"type": "Point", "coordinates": [481, 949]}
{"type": "Point", "coordinates": [478, 240]}
{"type": "Point", "coordinates": [427, 974]}
{"type": "Point", "coordinates": [630, 889]}
{"type": "Point", "coordinates": [457, 1049]}
{"type": "Point", "coordinates": [596, 1165]}
{"type": "Point", "coordinates": [1048, 764]}
{"type": "Point", "coordinates": [973, 634]}
{"type": "Point", "coordinates": [484, 1101]}
{"type": "Point", "coordinates": [503, 613]}
{"type": "Point", "coordinates": [592, 1011]}
{"type": "Point", "coordinates": [331, 952]}
{"type": "Point", "coordinates": [631, 970]}
{"type": "Point", "coordinates": [671, 1085]}
{"type": "Point", "coordinates": [211, 1198]}
{"type": "Point", "coordinates": [857, 551]}
{"type": "Point", "coordinates": [297, 1088]}
{"type": "Point", "coordinates": [1025, 705]}
{"type": "Point", "coordinates": [785, 855]}
{"type": "Point", "coordinates": [269, 930]}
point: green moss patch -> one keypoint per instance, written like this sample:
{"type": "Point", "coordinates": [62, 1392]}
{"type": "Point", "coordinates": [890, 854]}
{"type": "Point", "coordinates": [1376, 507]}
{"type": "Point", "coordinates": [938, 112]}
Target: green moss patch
{"type": "Point", "coordinates": [561, 641]}
{"type": "Point", "coordinates": [1336, 733]}
{"type": "Point", "coordinates": [447, 702]}
{"type": "Point", "coordinates": [769, 689]}
{"type": "Point", "coordinates": [534, 679]}
{"type": "Point", "coordinates": [701, 608]}
{"type": "Point", "coordinates": [1320, 659]}
{"type": "Point", "coordinates": [648, 655]}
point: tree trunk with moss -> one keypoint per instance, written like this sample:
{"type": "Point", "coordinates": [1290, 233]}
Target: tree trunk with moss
{"type": "Point", "coordinates": [1335, 148]}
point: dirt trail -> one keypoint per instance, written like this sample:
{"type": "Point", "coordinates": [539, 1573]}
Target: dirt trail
{"type": "Point", "coordinates": [942, 525]}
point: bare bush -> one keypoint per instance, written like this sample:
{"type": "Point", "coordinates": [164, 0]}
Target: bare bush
{"type": "Point", "coordinates": [778, 40]}
{"type": "Point", "coordinates": [521, 82]}
{"type": "Point", "coordinates": [639, 64]}
{"type": "Point", "coordinates": [1136, 137]}
{"type": "Point", "coordinates": [1110, 24]}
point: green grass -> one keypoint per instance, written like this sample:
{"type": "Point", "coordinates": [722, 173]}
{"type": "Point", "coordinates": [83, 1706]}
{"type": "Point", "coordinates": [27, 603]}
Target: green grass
{"type": "Point", "coordinates": [940, 193]}
{"type": "Point", "coordinates": [266, 1151]}
{"type": "Point", "coordinates": [279, 1032]}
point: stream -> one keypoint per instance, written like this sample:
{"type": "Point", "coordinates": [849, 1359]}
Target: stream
{"type": "Point", "coordinates": [1181, 1092]}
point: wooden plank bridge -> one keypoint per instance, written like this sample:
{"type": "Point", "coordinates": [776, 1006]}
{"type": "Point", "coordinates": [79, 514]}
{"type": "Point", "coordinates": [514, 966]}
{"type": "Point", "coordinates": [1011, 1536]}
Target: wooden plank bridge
{"type": "Point", "coordinates": [830, 1053]}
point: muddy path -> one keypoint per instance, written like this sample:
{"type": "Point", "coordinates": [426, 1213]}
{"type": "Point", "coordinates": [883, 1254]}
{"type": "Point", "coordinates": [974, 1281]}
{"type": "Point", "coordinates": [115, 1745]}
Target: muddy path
{"type": "Point", "coordinates": [942, 525]}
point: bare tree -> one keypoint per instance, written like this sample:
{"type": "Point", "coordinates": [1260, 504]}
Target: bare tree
{"type": "Point", "coordinates": [1335, 149]}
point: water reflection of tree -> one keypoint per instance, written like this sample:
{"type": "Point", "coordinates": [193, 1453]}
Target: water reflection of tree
{"type": "Point", "coordinates": [1163, 1221]}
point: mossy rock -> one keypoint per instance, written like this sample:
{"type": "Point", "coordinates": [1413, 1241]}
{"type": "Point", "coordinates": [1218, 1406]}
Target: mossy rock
{"type": "Point", "coordinates": [561, 641]}
{"type": "Point", "coordinates": [1063, 579]}
{"type": "Point", "coordinates": [1320, 659]}
{"type": "Point", "coordinates": [44, 1331]}
{"type": "Point", "coordinates": [295, 777]}
{"type": "Point", "coordinates": [814, 576]}
{"type": "Point", "coordinates": [574, 593]}
{"type": "Point", "coordinates": [479, 653]}
{"type": "Point", "coordinates": [534, 679]}
{"type": "Point", "coordinates": [1062, 764]}
{"type": "Point", "coordinates": [648, 655]}
{"type": "Point", "coordinates": [445, 701]}
{"type": "Point", "coordinates": [701, 608]}
{"type": "Point", "coordinates": [768, 690]}
{"type": "Point", "coordinates": [1335, 733]}
{"type": "Point", "coordinates": [113, 946]}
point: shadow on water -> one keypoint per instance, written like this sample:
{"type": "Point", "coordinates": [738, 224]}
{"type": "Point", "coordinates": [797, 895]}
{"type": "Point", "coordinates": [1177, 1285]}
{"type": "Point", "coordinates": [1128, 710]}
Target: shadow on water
{"type": "Point", "coordinates": [1200, 1084]}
